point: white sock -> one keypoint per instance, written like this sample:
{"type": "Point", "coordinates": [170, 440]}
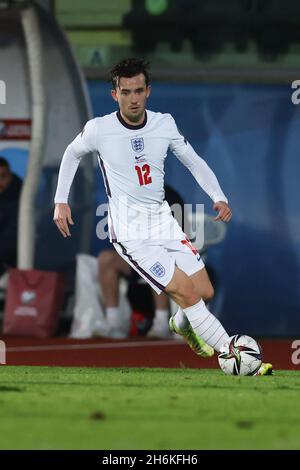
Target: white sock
{"type": "Point", "coordinates": [180, 319]}
{"type": "Point", "coordinates": [113, 316]}
{"type": "Point", "coordinates": [206, 325]}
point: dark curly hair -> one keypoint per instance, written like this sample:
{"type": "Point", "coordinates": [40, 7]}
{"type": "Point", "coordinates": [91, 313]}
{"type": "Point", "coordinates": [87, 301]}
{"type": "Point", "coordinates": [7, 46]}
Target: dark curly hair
{"type": "Point", "coordinates": [129, 68]}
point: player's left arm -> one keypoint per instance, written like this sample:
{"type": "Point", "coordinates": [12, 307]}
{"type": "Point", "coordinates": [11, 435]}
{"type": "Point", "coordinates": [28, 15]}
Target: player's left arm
{"type": "Point", "coordinates": [202, 173]}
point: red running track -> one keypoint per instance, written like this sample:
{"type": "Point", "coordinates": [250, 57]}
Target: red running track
{"type": "Point", "coordinates": [132, 352]}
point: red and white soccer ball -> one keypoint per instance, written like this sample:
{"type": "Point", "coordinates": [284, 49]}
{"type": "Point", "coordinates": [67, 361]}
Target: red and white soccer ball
{"type": "Point", "coordinates": [241, 355]}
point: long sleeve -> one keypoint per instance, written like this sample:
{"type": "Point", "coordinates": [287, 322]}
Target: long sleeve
{"type": "Point", "coordinates": [202, 173]}
{"type": "Point", "coordinates": [83, 144]}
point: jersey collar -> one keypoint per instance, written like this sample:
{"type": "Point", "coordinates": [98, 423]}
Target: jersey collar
{"type": "Point", "coordinates": [130, 126]}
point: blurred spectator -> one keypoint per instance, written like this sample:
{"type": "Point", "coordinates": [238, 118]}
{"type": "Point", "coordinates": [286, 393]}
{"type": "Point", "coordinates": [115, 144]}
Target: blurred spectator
{"type": "Point", "coordinates": [10, 189]}
{"type": "Point", "coordinates": [112, 267]}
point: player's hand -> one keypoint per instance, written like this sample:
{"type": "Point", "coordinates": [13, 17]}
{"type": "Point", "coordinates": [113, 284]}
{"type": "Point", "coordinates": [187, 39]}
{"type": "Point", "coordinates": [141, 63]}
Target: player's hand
{"type": "Point", "coordinates": [62, 217]}
{"type": "Point", "coordinates": [225, 213]}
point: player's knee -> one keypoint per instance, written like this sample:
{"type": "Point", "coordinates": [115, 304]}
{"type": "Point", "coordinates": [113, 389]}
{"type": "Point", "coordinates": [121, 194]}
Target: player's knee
{"type": "Point", "coordinates": [191, 297]}
{"type": "Point", "coordinates": [184, 294]}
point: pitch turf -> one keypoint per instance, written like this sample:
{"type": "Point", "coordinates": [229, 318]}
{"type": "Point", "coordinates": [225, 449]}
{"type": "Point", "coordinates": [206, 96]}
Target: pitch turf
{"type": "Point", "coordinates": [75, 408]}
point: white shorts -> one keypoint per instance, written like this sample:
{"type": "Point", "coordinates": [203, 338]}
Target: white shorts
{"type": "Point", "coordinates": [155, 260]}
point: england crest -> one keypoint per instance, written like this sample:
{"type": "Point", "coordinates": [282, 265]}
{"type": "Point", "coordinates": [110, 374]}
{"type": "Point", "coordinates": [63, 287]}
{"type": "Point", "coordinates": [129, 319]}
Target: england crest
{"type": "Point", "coordinates": [158, 270]}
{"type": "Point", "coordinates": [137, 144]}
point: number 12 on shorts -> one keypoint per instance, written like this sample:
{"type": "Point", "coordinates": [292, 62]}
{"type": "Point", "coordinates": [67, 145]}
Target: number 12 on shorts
{"type": "Point", "coordinates": [144, 174]}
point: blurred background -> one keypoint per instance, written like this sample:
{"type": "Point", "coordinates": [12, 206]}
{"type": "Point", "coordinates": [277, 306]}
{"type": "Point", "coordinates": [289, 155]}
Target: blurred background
{"type": "Point", "coordinates": [226, 71]}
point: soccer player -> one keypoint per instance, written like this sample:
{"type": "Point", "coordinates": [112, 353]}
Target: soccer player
{"type": "Point", "coordinates": [132, 145]}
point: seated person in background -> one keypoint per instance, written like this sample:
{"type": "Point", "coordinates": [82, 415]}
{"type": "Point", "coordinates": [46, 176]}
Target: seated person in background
{"type": "Point", "coordinates": [112, 267]}
{"type": "Point", "coordinates": [10, 189]}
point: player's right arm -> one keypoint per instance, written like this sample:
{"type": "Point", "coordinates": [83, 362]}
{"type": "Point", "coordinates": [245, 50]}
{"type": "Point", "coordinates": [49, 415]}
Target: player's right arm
{"type": "Point", "coordinates": [84, 143]}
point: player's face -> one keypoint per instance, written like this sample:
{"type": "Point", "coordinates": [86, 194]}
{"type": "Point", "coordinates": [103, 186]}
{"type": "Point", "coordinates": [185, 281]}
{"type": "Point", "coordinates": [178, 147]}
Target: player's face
{"type": "Point", "coordinates": [131, 95]}
{"type": "Point", "coordinates": [5, 178]}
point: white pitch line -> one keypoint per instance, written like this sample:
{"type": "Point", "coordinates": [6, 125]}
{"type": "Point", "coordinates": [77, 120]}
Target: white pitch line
{"type": "Point", "coordinates": [140, 344]}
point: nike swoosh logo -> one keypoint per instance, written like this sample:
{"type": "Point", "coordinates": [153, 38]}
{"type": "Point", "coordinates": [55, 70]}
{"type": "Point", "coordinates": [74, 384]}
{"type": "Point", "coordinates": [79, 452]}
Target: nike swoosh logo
{"type": "Point", "coordinates": [137, 157]}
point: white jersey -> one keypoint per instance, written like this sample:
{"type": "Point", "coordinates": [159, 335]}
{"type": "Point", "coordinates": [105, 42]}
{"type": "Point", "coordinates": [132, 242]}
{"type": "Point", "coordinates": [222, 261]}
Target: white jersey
{"type": "Point", "coordinates": [131, 159]}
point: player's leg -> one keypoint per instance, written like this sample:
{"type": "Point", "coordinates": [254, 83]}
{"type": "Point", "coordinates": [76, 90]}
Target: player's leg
{"type": "Point", "coordinates": [180, 324]}
{"type": "Point", "coordinates": [156, 264]}
{"type": "Point", "coordinates": [195, 322]}
{"type": "Point", "coordinates": [160, 327]}
{"type": "Point", "coordinates": [111, 268]}
{"type": "Point", "coordinates": [203, 286]}
{"type": "Point", "coordinates": [192, 288]}
{"type": "Point", "coordinates": [188, 296]}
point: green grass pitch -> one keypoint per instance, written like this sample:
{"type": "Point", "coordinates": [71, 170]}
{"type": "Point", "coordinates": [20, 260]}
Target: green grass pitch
{"type": "Point", "coordinates": [179, 409]}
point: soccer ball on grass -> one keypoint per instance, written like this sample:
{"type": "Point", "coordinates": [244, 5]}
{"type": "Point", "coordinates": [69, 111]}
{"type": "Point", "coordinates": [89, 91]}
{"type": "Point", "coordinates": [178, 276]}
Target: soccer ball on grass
{"type": "Point", "coordinates": [241, 355]}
